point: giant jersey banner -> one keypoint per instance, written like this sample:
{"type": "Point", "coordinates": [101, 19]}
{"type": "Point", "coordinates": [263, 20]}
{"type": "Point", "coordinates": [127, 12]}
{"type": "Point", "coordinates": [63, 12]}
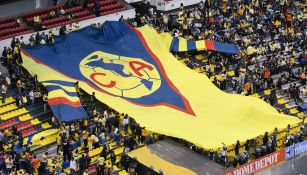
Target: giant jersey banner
{"type": "Point", "coordinates": [133, 71]}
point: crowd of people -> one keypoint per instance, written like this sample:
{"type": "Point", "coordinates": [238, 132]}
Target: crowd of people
{"type": "Point", "coordinates": [271, 36]}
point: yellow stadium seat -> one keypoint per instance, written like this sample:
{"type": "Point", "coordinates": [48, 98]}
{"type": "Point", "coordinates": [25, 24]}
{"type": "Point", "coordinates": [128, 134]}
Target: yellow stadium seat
{"type": "Point", "coordinates": [115, 168]}
{"type": "Point", "coordinates": [300, 115]}
{"type": "Point", "coordinates": [281, 101]}
{"type": "Point", "coordinates": [119, 151]}
{"type": "Point", "coordinates": [21, 172]}
{"type": "Point", "coordinates": [35, 121]}
{"type": "Point", "coordinates": [25, 117]}
{"type": "Point", "coordinates": [267, 92]}
{"type": "Point", "coordinates": [7, 100]}
{"type": "Point", "coordinates": [7, 108]}
{"type": "Point", "coordinates": [231, 73]}
{"type": "Point", "coordinates": [198, 57]}
{"type": "Point", "coordinates": [123, 172]}
{"type": "Point", "coordinates": [293, 111]}
{"type": "Point", "coordinates": [205, 60]}
{"type": "Point", "coordinates": [67, 170]}
{"type": "Point", "coordinates": [117, 159]}
{"type": "Point", "coordinates": [112, 145]}
{"type": "Point", "coordinates": [13, 114]}
{"type": "Point", "coordinates": [95, 152]}
{"type": "Point", "coordinates": [46, 125]}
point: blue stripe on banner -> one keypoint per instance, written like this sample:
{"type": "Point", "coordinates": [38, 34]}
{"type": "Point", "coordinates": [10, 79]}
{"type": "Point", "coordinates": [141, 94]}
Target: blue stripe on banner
{"type": "Point", "coordinates": [60, 82]}
{"type": "Point", "coordinates": [55, 87]}
{"type": "Point", "coordinates": [191, 45]}
{"type": "Point", "coordinates": [226, 48]}
{"type": "Point", "coordinates": [175, 45]}
{"type": "Point", "coordinates": [68, 113]}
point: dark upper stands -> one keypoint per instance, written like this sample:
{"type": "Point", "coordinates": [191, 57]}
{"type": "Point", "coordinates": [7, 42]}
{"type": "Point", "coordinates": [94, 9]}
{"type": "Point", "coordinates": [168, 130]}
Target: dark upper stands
{"type": "Point", "coordinates": [9, 27]}
{"type": "Point", "coordinates": [7, 1]}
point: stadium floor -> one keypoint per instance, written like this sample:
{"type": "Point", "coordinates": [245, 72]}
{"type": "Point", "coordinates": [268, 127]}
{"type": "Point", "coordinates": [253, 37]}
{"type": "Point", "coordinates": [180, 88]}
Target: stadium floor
{"type": "Point", "coordinates": [173, 157]}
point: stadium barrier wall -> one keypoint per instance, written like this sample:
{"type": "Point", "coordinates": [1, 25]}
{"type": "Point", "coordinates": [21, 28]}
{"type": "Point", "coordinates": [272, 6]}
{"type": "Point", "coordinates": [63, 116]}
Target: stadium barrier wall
{"type": "Point", "coordinates": [295, 166]}
{"type": "Point", "coordinates": [295, 150]}
{"type": "Point", "coordinates": [270, 160]}
{"type": "Point", "coordinates": [133, 1]}
{"type": "Point", "coordinates": [171, 5]}
{"type": "Point", "coordinates": [112, 17]}
{"type": "Point", "coordinates": [259, 164]}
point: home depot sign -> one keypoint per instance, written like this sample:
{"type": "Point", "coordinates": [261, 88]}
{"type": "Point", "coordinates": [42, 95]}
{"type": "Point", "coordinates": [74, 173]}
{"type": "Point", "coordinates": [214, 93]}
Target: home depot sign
{"type": "Point", "coordinates": [259, 164]}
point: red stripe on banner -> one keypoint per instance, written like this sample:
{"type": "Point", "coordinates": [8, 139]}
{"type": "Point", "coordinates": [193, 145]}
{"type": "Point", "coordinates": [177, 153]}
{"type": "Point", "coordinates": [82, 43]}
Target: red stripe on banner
{"type": "Point", "coordinates": [63, 100]}
{"type": "Point", "coordinates": [210, 45]}
{"type": "Point", "coordinates": [188, 109]}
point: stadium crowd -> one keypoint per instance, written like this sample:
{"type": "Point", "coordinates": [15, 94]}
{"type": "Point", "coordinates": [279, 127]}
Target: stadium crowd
{"type": "Point", "coordinates": [271, 36]}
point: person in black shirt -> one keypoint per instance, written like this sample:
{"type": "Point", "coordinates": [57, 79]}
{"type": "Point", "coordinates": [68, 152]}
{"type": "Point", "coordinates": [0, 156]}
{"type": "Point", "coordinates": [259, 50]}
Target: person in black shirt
{"type": "Point", "coordinates": [82, 164]}
{"type": "Point", "coordinates": [246, 145]}
{"type": "Point", "coordinates": [13, 43]}
{"type": "Point", "coordinates": [265, 139]}
{"type": "Point", "coordinates": [237, 147]}
{"type": "Point", "coordinates": [4, 52]}
{"type": "Point", "coordinates": [97, 8]}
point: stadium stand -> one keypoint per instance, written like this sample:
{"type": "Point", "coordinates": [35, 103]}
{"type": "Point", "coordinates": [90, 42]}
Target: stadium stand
{"type": "Point", "coordinates": [93, 143]}
{"type": "Point", "coordinates": [9, 26]}
{"type": "Point", "coordinates": [7, 1]}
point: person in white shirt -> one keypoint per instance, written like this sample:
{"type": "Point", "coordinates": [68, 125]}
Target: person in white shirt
{"type": "Point", "coordinates": [73, 165]}
{"type": "Point", "coordinates": [224, 155]}
{"type": "Point", "coordinates": [105, 114]}
{"type": "Point", "coordinates": [125, 123]}
{"type": "Point", "coordinates": [8, 81]}
{"type": "Point", "coordinates": [9, 165]}
{"type": "Point", "coordinates": [31, 96]}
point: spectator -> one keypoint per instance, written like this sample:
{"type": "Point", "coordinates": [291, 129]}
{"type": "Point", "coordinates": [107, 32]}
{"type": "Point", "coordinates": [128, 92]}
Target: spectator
{"type": "Point", "coordinates": [52, 14]}
{"type": "Point", "coordinates": [31, 96]}
{"type": "Point", "coordinates": [9, 165]}
{"type": "Point", "coordinates": [73, 166]}
{"type": "Point", "coordinates": [3, 92]}
{"type": "Point", "coordinates": [45, 101]}
{"type": "Point", "coordinates": [37, 22]}
{"type": "Point", "coordinates": [97, 8]}
{"type": "Point", "coordinates": [35, 164]}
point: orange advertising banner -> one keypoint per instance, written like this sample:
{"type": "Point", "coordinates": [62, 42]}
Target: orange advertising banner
{"type": "Point", "coordinates": [259, 164]}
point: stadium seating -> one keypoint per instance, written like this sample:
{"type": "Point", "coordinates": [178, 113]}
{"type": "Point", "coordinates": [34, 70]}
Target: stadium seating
{"type": "Point", "coordinates": [9, 28]}
{"type": "Point", "coordinates": [107, 7]}
{"type": "Point", "coordinates": [26, 120]}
